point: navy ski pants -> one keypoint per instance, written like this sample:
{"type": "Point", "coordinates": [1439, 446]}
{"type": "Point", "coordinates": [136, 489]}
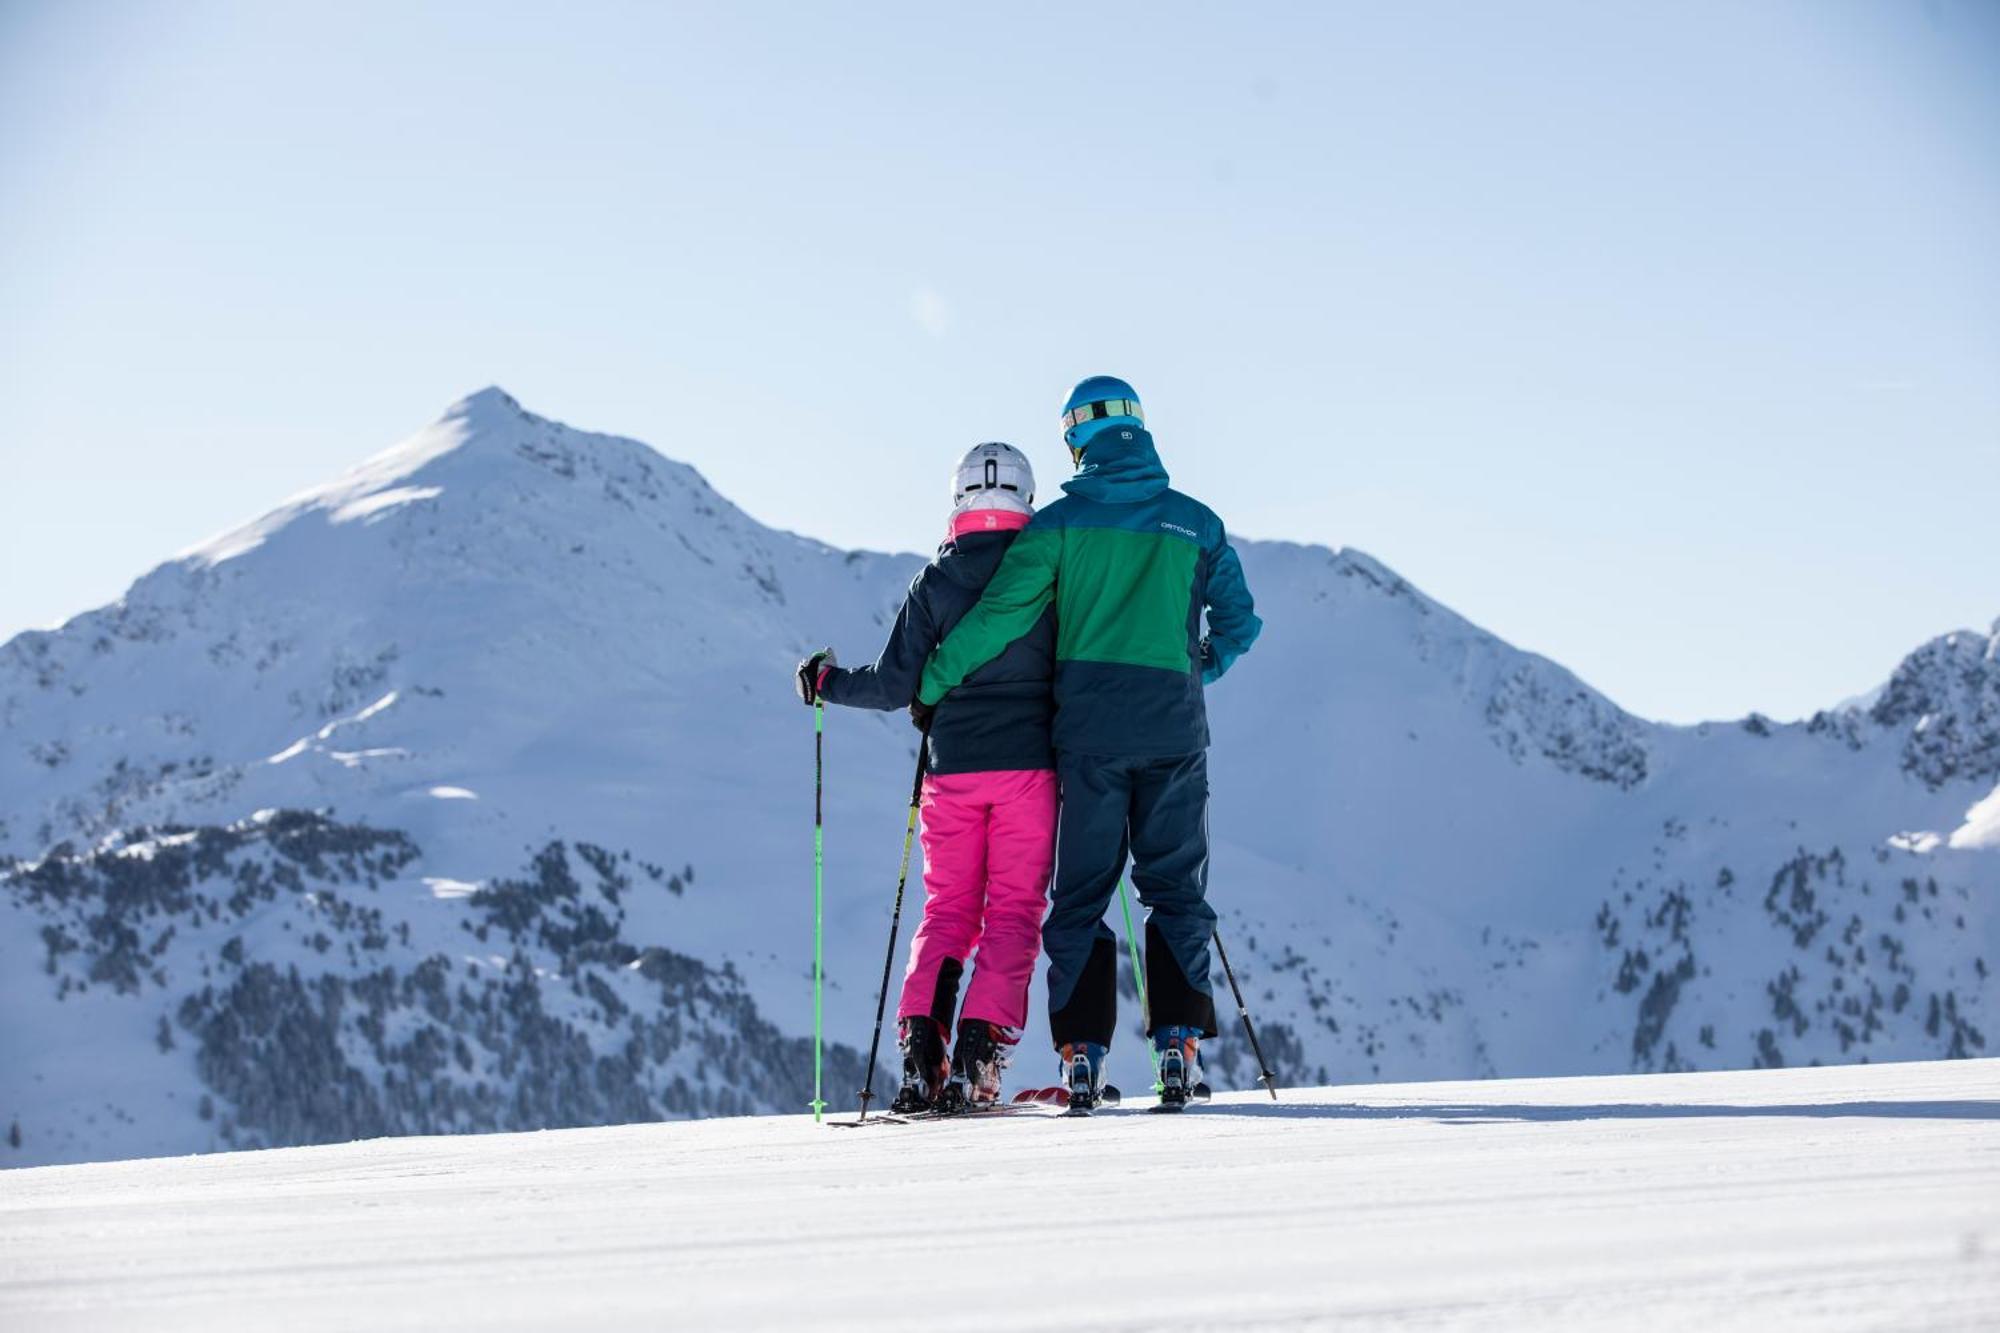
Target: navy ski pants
{"type": "Point", "coordinates": [1156, 812]}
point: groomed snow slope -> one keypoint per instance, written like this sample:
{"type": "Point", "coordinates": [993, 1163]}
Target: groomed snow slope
{"type": "Point", "coordinates": [1859, 1197]}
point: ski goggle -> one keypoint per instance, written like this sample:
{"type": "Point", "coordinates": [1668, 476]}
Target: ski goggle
{"type": "Point", "coordinates": [1109, 407]}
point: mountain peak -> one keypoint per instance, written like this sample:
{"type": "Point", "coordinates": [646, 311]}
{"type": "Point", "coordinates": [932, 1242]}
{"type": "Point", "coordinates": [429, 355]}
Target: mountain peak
{"type": "Point", "coordinates": [381, 481]}
{"type": "Point", "coordinates": [485, 429]}
{"type": "Point", "coordinates": [490, 406]}
{"type": "Point", "coordinates": [488, 485]}
{"type": "Point", "coordinates": [1946, 696]}
{"type": "Point", "coordinates": [492, 394]}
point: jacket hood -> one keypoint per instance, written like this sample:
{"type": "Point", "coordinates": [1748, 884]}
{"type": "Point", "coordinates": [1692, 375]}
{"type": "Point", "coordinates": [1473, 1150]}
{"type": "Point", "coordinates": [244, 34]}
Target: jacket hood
{"type": "Point", "coordinates": [1119, 467]}
{"type": "Point", "coordinates": [970, 559]}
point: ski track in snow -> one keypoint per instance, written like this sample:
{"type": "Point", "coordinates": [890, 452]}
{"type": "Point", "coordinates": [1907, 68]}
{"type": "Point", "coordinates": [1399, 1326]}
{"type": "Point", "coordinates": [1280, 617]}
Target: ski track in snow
{"type": "Point", "coordinates": [1852, 1198]}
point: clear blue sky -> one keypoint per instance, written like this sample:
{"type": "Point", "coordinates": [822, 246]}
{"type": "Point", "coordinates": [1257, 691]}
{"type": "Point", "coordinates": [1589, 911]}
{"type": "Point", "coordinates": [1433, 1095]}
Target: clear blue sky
{"type": "Point", "coordinates": [1664, 340]}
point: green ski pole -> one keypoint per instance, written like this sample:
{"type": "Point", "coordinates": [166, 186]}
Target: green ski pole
{"type": "Point", "coordinates": [819, 902]}
{"type": "Point", "coordinates": [1139, 980]}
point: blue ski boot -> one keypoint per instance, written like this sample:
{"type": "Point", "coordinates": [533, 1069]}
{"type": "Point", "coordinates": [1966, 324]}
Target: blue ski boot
{"type": "Point", "coordinates": [1178, 1052]}
{"type": "Point", "coordinates": [1083, 1076]}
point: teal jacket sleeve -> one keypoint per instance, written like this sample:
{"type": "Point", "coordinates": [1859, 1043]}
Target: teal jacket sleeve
{"type": "Point", "coordinates": [1232, 614]}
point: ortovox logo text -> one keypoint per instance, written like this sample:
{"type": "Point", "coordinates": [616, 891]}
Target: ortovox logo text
{"type": "Point", "coordinates": [1185, 532]}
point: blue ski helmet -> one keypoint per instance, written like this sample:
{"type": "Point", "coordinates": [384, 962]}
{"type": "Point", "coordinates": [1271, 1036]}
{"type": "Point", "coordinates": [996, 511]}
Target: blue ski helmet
{"type": "Point", "coordinates": [1098, 403]}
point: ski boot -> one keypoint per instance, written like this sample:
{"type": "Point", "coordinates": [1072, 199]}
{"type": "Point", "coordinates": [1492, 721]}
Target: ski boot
{"type": "Point", "coordinates": [977, 1065]}
{"type": "Point", "coordinates": [926, 1071]}
{"type": "Point", "coordinates": [1178, 1052]}
{"type": "Point", "coordinates": [1083, 1075]}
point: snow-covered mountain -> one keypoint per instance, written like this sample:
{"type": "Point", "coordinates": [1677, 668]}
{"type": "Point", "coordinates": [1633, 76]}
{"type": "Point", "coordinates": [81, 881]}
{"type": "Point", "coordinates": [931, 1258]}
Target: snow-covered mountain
{"type": "Point", "coordinates": [468, 792]}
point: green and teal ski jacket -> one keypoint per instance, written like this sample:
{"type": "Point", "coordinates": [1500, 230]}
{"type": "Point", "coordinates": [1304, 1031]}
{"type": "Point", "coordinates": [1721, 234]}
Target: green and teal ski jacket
{"type": "Point", "coordinates": [1130, 566]}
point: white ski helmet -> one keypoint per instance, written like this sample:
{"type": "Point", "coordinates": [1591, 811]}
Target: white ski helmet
{"type": "Point", "coordinates": [993, 476]}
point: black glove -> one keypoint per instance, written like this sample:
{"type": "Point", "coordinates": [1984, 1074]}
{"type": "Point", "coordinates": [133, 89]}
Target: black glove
{"type": "Point", "coordinates": [810, 671]}
{"type": "Point", "coordinates": [921, 715]}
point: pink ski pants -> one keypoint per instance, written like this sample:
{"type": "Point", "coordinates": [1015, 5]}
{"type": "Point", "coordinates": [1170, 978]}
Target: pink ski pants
{"type": "Point", "coordinates": [989, 845]}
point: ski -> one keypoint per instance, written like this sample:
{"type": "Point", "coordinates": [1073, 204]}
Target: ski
{"type": "Point", "coordinates": [1059, 1097]}
{"type": "Point", "coordinates": [930, 1117]}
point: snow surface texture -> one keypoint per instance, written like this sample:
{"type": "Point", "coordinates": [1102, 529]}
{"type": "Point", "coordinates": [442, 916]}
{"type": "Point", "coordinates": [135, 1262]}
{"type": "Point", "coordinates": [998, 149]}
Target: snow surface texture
{"type": "Point", "coordinates": [1853, 1198]}
{"type": "Point", "coordinates": [468, 792]}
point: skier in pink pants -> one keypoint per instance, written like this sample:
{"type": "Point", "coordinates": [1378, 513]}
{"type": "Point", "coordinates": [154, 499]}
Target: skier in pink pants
{"type": "Point", "coordinates": [989, 798]}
